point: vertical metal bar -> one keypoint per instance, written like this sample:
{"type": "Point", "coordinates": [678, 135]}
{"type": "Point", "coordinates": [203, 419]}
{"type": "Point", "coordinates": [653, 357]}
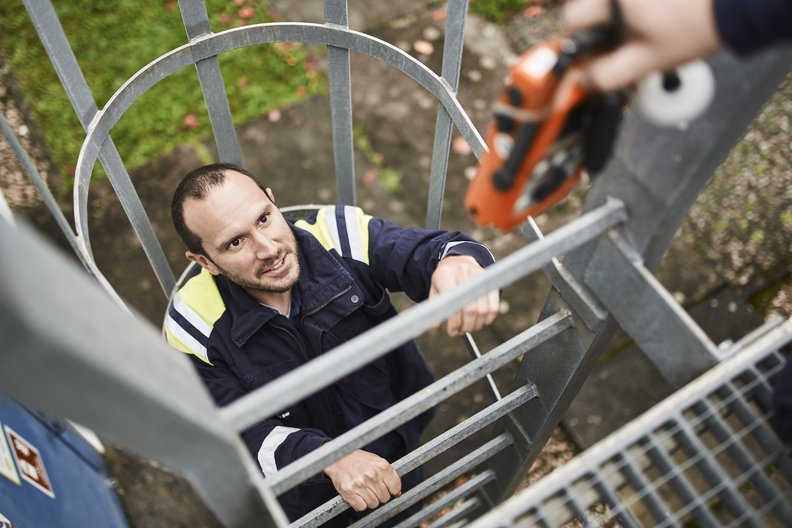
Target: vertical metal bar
{"type": "Point", "coordinates": [761, 389]}
{"type": "Point", "coordinates": [196, 24]}
{"type": "Point", "coordinates": [56, 44]}
{"type": "Point", "coordinates": [38, 182]}
{"type": "Point", "coordinates": [569, 498]}
{"type": "Point", "coordinates": [712, 471]}
{"type": "Point", "coordinates": [452, 63]}
{"type": "Point", "coordinates": [680, 484]}
{"type": "Point", "coordinates": [475, 353]}
{"type": "Point", "coordinates": [621, 513]}
{"type": "Point", "coordinates": [339, 77]}
{"type": "Point", "coordinates": [749, 467]}
{"type": "Point", "coordinates": [767, 441]}
{"type": "Point", "coordinates": [642, 487]}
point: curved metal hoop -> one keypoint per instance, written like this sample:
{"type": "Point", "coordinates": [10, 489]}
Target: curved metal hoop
{"type": "Point", "coordinates": [268, 33]}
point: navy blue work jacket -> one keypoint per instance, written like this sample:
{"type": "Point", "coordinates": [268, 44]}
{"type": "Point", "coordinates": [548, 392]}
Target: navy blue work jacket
{"type": "Point", "coordinates": [348, 260]}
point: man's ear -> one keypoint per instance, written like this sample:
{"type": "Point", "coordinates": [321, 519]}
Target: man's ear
{"type": "Point", "coordinates": [204, 262]}
{"type": "Point", "coordinates": [270, 194]}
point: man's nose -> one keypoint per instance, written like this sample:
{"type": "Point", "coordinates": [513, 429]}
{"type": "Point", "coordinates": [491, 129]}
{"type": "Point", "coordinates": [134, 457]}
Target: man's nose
{"type": "Point", "coordinates": [265, 248]}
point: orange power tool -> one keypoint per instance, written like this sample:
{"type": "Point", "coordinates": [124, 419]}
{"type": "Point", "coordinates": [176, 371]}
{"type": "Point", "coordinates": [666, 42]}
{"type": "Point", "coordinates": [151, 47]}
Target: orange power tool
{"type": "Point", "coordinates": [548, 127]}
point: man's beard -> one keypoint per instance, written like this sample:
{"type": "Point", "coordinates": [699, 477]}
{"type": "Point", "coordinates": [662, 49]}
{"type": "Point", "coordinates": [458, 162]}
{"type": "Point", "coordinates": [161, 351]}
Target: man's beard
{"type": "Point", "coordinates": [267, 286]}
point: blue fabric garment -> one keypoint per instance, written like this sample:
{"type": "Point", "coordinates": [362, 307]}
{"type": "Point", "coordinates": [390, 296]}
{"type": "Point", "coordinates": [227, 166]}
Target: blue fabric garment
{"type": "Point", "coordinates": [341, 294]}
{"type": "Point", "coordinates": [749, 25]}
{"type": "Point", "coordinates": [782, 400]}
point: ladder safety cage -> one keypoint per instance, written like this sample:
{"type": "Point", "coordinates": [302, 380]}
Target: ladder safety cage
{"type": "Point", "coordinates": [603, 279]}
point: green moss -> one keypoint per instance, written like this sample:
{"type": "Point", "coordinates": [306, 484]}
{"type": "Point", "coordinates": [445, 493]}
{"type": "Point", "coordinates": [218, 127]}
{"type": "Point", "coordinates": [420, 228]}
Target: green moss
{"type": "Point", "coordinates": [112, 41]}
{"type": "Point", "coordinates": [778, 278]}
{"type": "Point", "coordinates": [498, 10]}
{"type": "Point", "coordinates": [387, 177]}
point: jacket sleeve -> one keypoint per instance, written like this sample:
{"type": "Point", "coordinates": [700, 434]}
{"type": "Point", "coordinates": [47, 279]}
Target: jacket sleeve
{"type": "Point", "coordinates": [403, 259]}
{"type": "Point", "coordinates": [745, 26]}
{"type": "Point", "coordinates": [272, 444]}
{"type": "Point", "coordinates": [782, 402]}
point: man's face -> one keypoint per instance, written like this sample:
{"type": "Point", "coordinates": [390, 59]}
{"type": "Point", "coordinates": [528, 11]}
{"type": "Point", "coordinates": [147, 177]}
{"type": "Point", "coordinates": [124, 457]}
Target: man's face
{"type": "Point", "coordinates": [244, 237]}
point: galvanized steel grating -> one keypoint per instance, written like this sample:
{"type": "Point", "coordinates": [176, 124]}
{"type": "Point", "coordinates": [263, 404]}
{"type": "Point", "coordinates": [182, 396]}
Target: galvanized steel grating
{"type": "Point", "coordinates": [704, 457]}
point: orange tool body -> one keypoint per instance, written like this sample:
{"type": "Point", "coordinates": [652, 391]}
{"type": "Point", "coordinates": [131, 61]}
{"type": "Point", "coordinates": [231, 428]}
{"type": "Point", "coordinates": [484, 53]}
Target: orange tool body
{"type": "Point", "coordinates": [540, 140]}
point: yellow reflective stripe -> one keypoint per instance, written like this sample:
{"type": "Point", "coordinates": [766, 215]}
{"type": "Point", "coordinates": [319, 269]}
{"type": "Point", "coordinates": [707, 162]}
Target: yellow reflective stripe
{"type": "Point", "coordinates": [174, 342]}
{"type": "Point", "coordinates": [319, 229]}
{"type": "Point", "coordinates": [200, 295]}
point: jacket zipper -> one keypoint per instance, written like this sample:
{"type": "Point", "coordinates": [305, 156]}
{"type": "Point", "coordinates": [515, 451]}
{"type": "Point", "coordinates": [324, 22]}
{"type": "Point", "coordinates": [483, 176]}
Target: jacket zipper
{"type": "Point", "coordinates": [328, 301]}
{"type": "Point", "coordinates": [304, 353]}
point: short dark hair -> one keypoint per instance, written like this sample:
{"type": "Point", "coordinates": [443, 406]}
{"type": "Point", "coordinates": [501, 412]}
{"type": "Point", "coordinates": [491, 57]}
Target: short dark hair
{"type": "Point", "coordinates": [195, 185]}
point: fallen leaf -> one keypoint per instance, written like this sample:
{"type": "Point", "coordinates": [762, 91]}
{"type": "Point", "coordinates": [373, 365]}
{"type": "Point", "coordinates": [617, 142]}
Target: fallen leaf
{"type": "Point", "coordinates": [369, 177]}
{"type": "Point", "coordinates": [424, 47]}
{"type": "Point", "coordinates": [460, 146]}
{"type": "Point", "coordinates": [191, 121]}
{"type": "Point", "coordinates": [274, 115]}
{"type": "Point", "coordinates": [246, 13]}
{"type": "Point", "coordinates": [438, 14]}
{"type": "Point", "coordinates": [242, 84]}
{"type": "Point", "coordinates": [225, 19]}
{"type": "Point", "coordinates": [533, 11]}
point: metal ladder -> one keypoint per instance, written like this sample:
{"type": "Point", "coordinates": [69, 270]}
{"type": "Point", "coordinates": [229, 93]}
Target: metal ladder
{"type": "Point", "coordinates": [603, 281]}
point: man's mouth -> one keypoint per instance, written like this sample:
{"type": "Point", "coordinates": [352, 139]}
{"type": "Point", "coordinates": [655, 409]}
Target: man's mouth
{"type": "Point", "coordinates": [276, 267]}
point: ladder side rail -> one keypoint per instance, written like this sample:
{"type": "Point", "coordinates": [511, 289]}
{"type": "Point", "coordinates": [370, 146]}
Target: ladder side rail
{"type": "Point", "coordinates": [196, 24]}
{"type": "Point", "coordinates": [51, 34]}
{"type": "Point", "coordinates": [660, 327]}
{"type": "Point", "coordinates": [658, 174]}
{"type": "Point", "coordinates": [142, 396]}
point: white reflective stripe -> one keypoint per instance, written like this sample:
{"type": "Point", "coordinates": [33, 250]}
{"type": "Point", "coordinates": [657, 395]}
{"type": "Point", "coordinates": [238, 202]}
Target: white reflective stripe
{"type": "Point", "coordinates": [449, 245]}
{"type": "Point", "coordinates": [191, 315]}
{"type": "Point", "coordinates": [184, 336]}
{"type": "Point", "coordinates": [332, 227]}
{"type": "Point", "coordinates": [353, 233]}
{"type": "Point", "coordinates": [266, 454]}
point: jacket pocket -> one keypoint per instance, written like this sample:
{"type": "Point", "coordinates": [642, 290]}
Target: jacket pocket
{"type": "Point", "coordinates": [264, 375]}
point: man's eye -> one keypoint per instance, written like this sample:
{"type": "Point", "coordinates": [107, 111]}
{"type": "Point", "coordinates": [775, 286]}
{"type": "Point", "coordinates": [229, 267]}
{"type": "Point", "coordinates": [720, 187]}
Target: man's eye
{"type": "Point", "coordinates": [234, 243]}
{"type": "Point", "coordinates": [263, 219]}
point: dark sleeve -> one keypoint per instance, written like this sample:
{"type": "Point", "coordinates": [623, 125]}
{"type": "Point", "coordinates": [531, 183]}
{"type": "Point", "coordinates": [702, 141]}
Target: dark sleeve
{"type": "Point", "coordinates": [782, 403]}
{"type": "Point", "coordinates": [749, 25]}
{"type": "Point", "coordinates": [403, 259]}
{"type": "Point", "coordinates": [270, 442]}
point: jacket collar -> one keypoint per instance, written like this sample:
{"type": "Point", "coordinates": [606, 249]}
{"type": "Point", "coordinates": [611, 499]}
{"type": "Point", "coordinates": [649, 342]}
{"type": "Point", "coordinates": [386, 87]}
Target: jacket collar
{"type": "Point", "coordinates": [322, 278]}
